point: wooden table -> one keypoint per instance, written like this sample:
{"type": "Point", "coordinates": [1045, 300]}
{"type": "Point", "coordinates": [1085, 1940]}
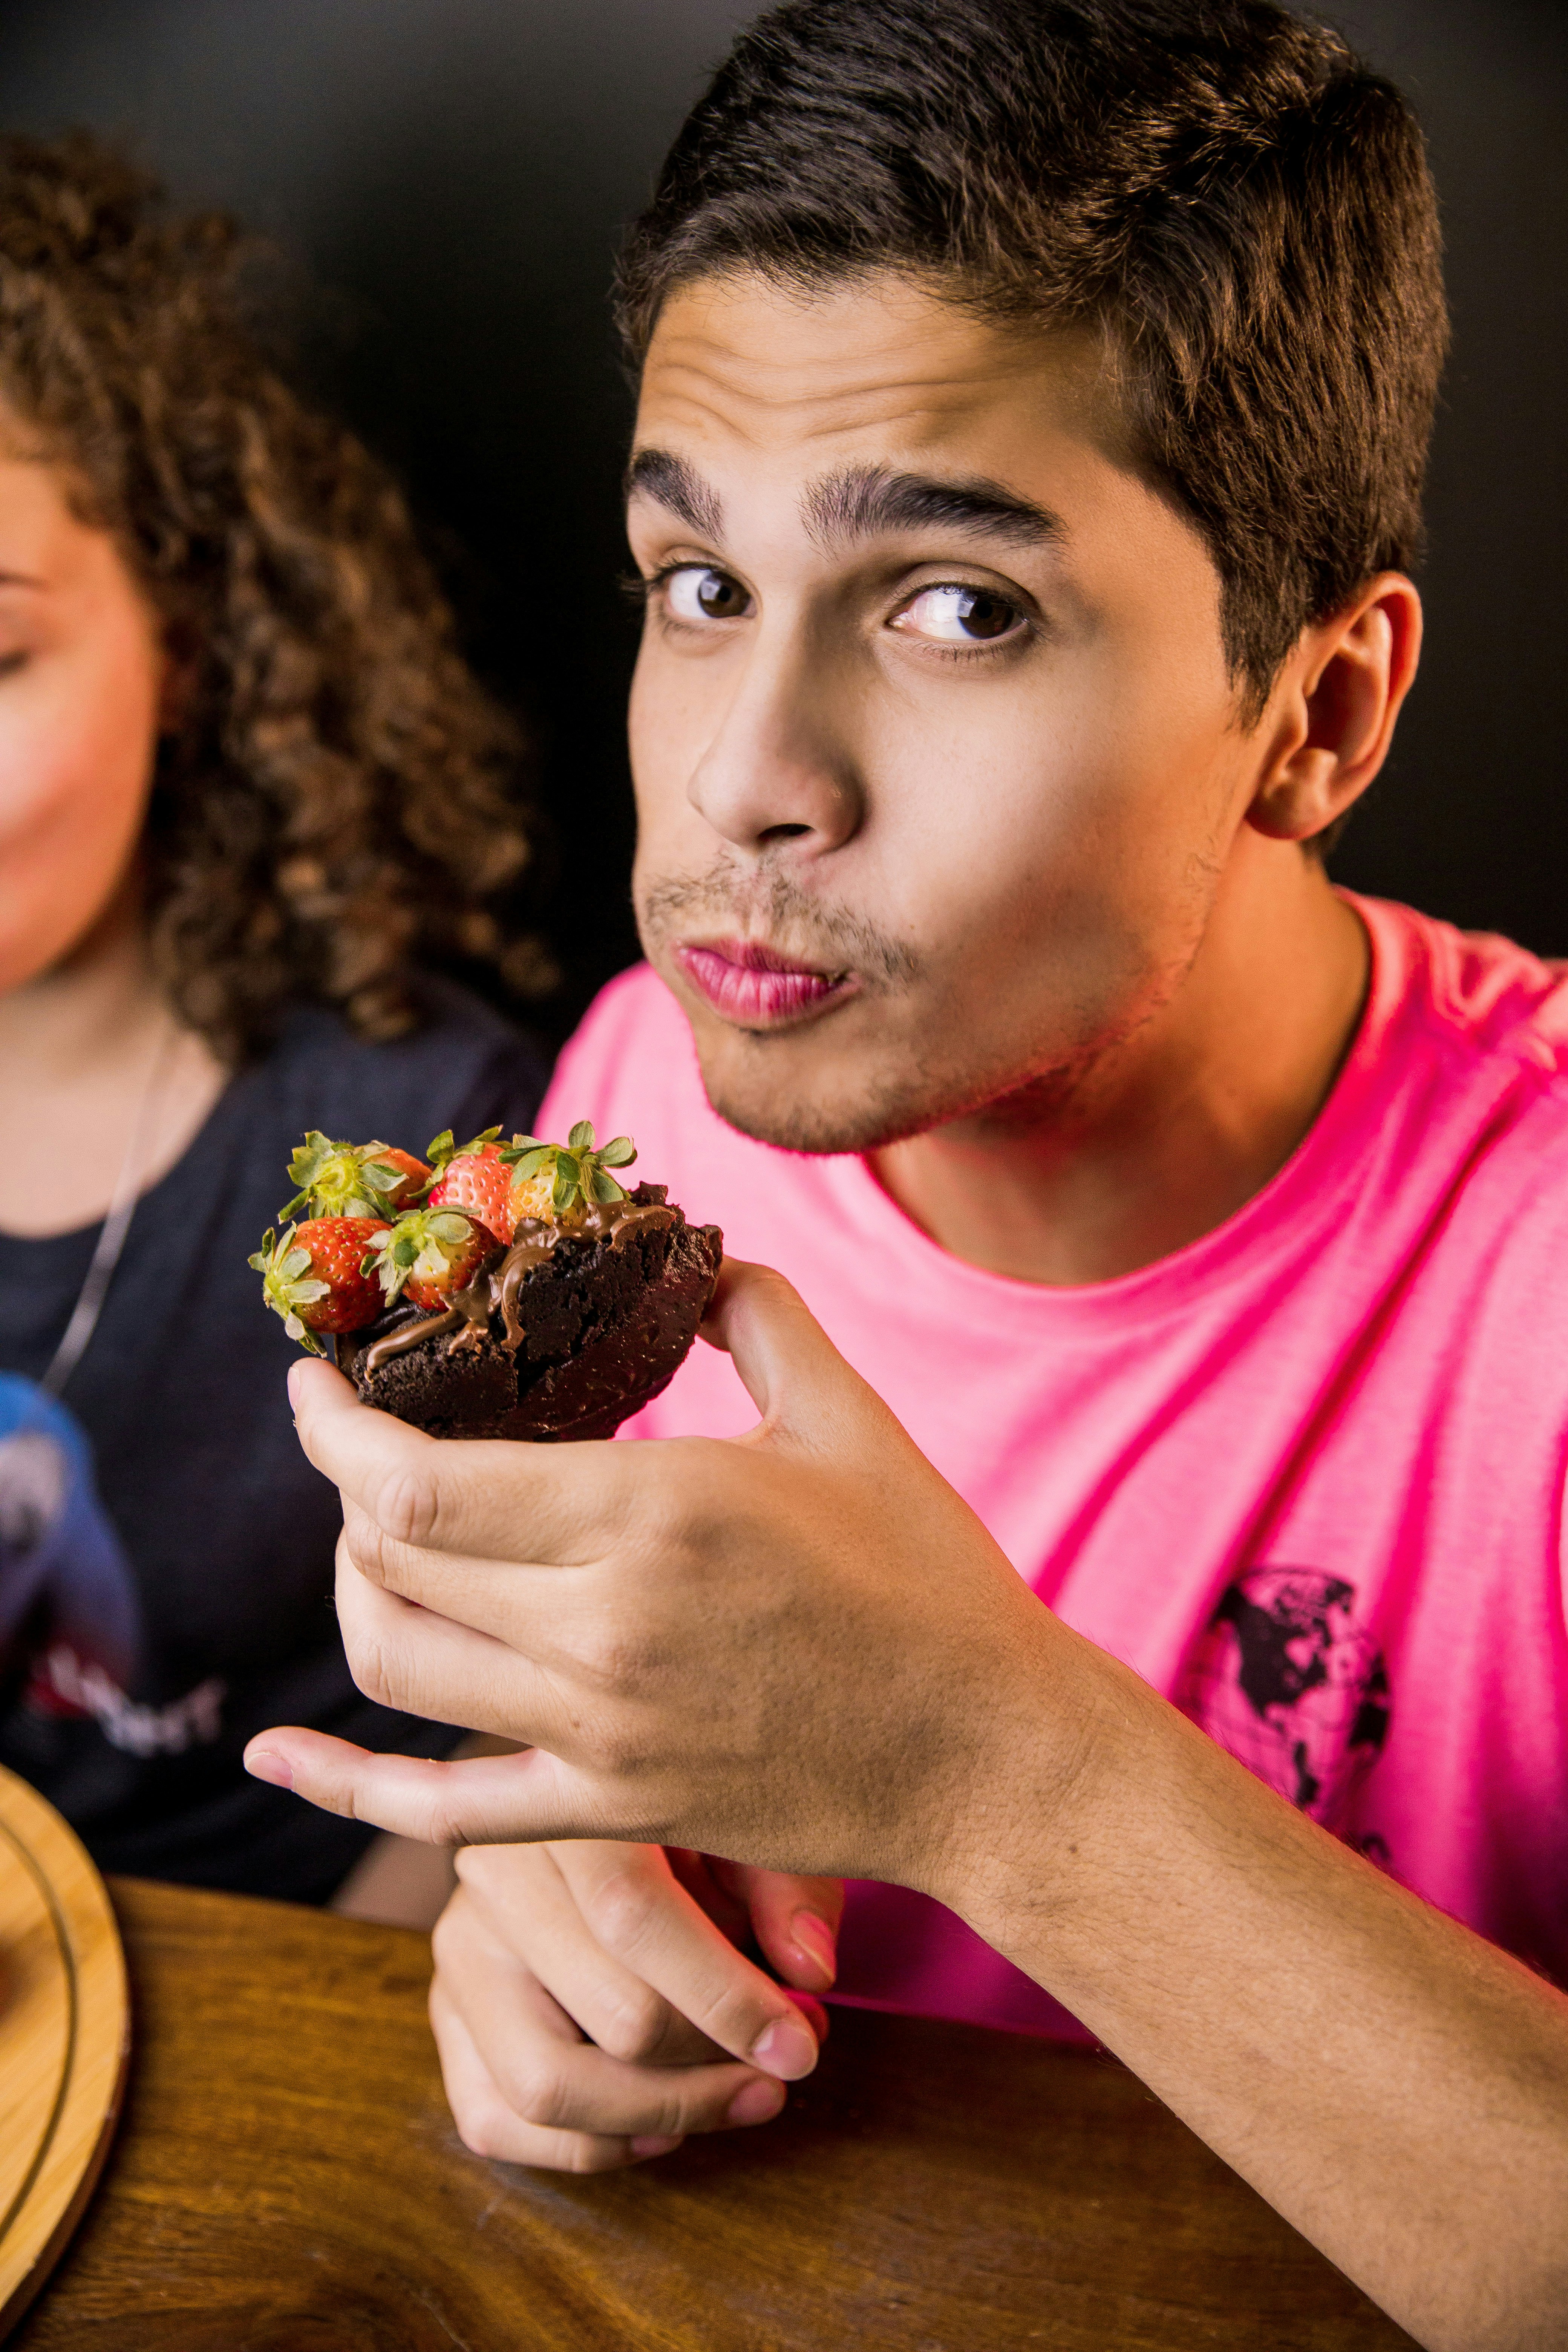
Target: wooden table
{"type": "Point", "coordinates": [287, 2179]}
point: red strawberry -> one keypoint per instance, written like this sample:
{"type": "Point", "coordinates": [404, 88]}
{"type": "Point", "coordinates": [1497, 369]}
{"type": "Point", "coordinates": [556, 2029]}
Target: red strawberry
{"type": "Point", "coordinates": [316, 1276]}
{"type": "Point", "coordinates": [478, 1182]}
{"type": "Point", "coordinates": [430, 1253]}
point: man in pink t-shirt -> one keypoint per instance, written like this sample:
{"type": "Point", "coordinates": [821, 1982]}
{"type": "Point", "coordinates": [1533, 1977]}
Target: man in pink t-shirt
{"type": "Point", "coordinates": [1304, 1476]}
{"type": "Point", "coordinates": [1033, 407]}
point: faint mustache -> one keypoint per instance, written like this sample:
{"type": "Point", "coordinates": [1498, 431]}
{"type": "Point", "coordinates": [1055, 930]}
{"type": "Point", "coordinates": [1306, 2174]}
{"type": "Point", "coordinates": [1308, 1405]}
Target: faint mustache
{"type": "Point", "coordinates": [770, 906]}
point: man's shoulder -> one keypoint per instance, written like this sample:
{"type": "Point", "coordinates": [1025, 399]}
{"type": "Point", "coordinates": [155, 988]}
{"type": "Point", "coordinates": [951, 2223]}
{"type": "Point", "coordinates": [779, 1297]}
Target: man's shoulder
{"type": "Point", "coordinates": [636, 1005]}
{"type": "Point", "coordinates": [1466, 1114]}
{"type": "Point", "coordinates": [1483, 994]}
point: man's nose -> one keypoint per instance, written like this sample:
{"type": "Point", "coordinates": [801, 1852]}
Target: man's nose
{"type": "Point", "coordinates": [779, 766]}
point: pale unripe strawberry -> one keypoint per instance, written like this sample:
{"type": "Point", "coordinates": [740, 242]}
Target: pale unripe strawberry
{"type": "Point", "coordinates": [561, 1182]}
{"type": "Point", "coordinates": [534, 1196]}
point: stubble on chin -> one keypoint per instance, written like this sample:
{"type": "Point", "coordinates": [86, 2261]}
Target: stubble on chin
{"type": "Point", "coordinates": [795, 1091]}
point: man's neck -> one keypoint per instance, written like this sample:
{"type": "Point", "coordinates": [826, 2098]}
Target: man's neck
{"type": "Point", "coordinates": [1176, 1129]}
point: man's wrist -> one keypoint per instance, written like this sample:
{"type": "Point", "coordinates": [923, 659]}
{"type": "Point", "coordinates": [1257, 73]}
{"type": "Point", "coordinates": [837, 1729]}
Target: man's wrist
{"type": "Point", "coordinates": [1015, 1825]}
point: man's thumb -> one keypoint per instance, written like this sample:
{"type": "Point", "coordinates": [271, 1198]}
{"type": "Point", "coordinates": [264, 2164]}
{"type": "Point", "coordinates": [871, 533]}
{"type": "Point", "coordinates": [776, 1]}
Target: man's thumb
{"type": "Point", "coordinates": [796, 1921]}
{"type": "Point", "coordinates": [794, 1373]}
{"type": "Point", "coordinates": [511, 1799]}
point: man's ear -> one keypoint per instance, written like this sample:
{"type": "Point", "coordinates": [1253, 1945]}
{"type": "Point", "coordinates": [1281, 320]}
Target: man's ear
{"type": "Point", "coordinates": [1331, 713]}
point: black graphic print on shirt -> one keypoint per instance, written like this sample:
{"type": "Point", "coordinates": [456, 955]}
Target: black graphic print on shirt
{"type": "Point", "coordinates": [1288, 1682]}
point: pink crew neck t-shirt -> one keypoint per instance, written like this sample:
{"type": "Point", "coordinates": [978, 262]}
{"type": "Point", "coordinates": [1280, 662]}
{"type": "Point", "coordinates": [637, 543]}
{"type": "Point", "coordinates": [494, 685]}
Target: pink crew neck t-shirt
{"type": "Point", "coordinates": [1304, 1476]}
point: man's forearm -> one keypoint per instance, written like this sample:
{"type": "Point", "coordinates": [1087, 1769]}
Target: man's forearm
{"type": "Point", "coordinates": [1395, 2086]}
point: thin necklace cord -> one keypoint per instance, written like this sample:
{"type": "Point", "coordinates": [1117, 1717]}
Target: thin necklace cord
{"type": "Point", "coordinates": [84, 1314]}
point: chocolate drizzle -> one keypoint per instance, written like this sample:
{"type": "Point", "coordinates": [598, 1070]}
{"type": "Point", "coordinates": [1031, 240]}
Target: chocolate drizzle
{"type": "Point", "coordinates": [494, 1289]}
{"type": "Point", "coordinates": [562, 1333]}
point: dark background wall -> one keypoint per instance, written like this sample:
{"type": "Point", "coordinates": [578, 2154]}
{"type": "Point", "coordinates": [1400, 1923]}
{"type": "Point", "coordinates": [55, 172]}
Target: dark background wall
{"type": "Point", "coordinates": [457, 170]}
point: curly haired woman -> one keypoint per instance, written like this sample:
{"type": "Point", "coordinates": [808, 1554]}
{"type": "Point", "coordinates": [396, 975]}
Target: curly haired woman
{"type": "Point", "coordinates": [247, 788]}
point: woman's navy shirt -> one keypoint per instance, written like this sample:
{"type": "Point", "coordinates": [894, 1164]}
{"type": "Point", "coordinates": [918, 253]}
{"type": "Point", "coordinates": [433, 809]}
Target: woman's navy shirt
{"type": "Point", "coordinates": [228, 1531]}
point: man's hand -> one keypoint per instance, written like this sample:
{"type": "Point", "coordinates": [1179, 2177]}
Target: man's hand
{"type": "Point", "coordinates": [590, 2012]}
{"type": "Point", "coordinates": [798, 1648]}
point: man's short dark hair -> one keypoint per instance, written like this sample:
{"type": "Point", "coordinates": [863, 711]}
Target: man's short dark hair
{"type": "Point", "coordinates": [1241, 207]}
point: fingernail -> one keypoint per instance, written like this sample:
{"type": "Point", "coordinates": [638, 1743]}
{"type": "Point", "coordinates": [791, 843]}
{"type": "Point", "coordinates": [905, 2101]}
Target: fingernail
{"type": "Point", "coordinates": [815, 1939]}
{"type": "Point", "coordinates": [788, 2049]}
{"type": "Point", "coordinates": [812, 2010]}
{"type": "Point", "coordinates": [266, 1764]}
{"type": "Point", "coordinates": [294, 1371]}
{"type": "Point", "coordinates": [757, 2103]}
{"type": "Point", "coordinates": [653, 2145]}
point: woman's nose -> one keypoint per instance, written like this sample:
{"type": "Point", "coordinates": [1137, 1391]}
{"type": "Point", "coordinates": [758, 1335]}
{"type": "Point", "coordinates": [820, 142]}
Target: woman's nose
{"type": "Point", "coordinates": [777, 767]}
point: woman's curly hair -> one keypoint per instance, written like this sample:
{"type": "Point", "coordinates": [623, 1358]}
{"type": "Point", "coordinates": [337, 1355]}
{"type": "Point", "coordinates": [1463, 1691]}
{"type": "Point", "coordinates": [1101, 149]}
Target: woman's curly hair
{"type": "Point", "coordinates": [335, 795]}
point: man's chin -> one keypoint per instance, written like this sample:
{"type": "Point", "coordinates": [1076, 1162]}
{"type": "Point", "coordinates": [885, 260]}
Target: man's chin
{"type": "Point", "coordinates": [806, 1128]}
{"type": "Point", "coordinates": [800, 1111]}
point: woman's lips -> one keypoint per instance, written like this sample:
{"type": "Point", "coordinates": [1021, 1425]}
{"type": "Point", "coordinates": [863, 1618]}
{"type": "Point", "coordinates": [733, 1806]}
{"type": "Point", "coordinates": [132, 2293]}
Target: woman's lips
{"type": "Point", "coordinates": [754, 986]}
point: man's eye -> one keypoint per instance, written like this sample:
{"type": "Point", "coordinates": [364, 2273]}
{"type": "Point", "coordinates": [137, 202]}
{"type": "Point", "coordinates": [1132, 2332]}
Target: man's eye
{"type": "Point", "coordinates": [697, 593]}
{"type": "Point", "coordinates": [958, 616]}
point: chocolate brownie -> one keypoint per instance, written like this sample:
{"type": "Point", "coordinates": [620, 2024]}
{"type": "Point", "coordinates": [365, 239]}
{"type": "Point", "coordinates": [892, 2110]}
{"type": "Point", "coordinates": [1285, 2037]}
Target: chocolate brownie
{"type": "Point", "coordinates": [563, 1334]}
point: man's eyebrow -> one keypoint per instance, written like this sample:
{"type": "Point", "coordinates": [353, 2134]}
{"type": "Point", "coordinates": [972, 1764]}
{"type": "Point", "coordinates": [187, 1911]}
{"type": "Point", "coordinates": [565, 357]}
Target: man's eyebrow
{"type": "Point", "coordinates": [659, 474]}
{"type": "Point", "coordinates": [865, 500]}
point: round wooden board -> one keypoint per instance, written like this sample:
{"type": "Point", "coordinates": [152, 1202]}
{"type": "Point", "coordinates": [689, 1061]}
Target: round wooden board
{"type": "Point", "coordinates": [64, 2038]}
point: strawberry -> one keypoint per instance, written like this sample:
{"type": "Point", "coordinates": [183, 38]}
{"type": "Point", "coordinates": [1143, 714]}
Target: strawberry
{"type": "Point", "coordinates": [430, 1252]}
{"type": "Point", "coordinates": [352, 1179]}
{"type": "Point", "coordinates": [414, 1172]}
{"type": "Point", "coordinates": [565, 1180]}
{"type": "Point", "coordinates": [473, 1178]}
{"type": "Point", "coordinates": [317, 1276]}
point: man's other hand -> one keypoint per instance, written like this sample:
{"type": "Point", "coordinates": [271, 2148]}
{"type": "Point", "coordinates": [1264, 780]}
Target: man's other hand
{"type": "Point", "coordinates": [590, 2012]}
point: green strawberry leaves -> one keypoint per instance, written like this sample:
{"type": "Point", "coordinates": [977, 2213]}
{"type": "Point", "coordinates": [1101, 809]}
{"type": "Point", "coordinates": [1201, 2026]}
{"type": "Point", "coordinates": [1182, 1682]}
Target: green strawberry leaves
{"type": "Point", "coordinates": [579, 1172]}
{"type": "Point", "coordinates": [349, 1180]}
{"type": "Point", "coordinates": [441, 1151]}
{"type": "Point", "coordinates": [431, 1239]}
{"type": "Point", "coordinates": [288, 1283]}
{"type": "Point", "coordinates": [339, 1180]}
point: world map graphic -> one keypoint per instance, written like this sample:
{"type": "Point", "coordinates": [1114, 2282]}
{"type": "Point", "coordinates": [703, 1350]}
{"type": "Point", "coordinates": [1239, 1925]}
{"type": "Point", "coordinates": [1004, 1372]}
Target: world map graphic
{"type": "Point", "coordinates": [1289, 1681]}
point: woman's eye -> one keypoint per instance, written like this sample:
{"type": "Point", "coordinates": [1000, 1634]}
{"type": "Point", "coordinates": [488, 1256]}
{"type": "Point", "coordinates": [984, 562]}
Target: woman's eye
{"type": "Point", "coordinates": [958, 616]}
{"type": "Point", "coordinates": [697, 593]}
